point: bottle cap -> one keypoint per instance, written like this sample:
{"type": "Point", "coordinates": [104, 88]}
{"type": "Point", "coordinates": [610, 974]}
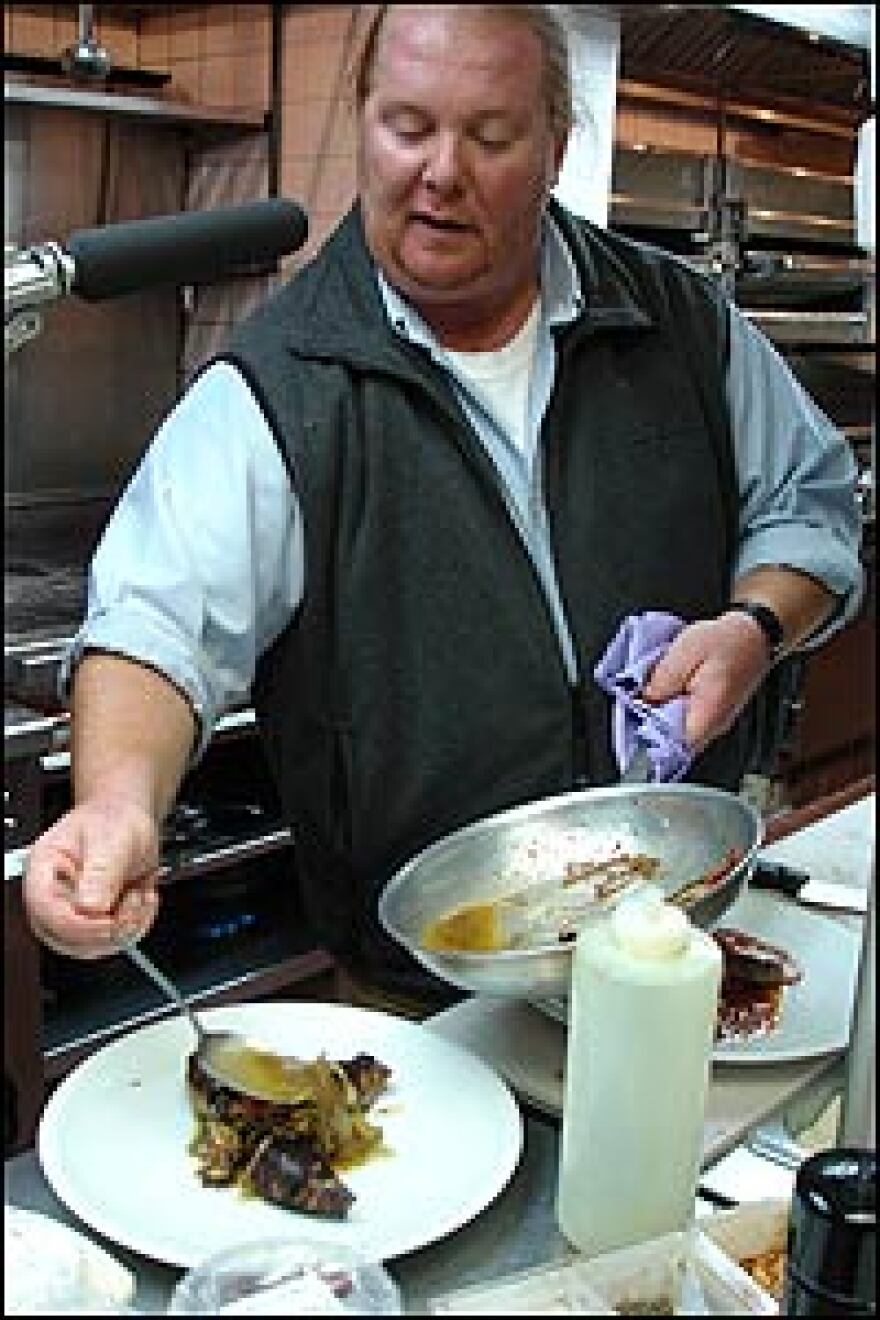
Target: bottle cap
{"type": "Point", "coordinates": [648, 927]}
{"type": "Point", "coordinates": [832, 1232]}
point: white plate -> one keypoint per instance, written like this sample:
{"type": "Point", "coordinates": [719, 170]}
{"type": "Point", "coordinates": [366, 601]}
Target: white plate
{"type": "Point", "coordinates": [113, 1138]}
{"type": "Point", "coordinates": [49, 1267]}
{"type": "Point", "coordinates": [525, 1046]}
{"type": "Point", "coordinates": [815, 1012]}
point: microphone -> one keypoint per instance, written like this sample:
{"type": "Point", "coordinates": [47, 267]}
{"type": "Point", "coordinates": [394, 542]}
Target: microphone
{"type": "Point", "coordinates": [183, 249]}
{"type": "Point", "coordinates": [189, 248]}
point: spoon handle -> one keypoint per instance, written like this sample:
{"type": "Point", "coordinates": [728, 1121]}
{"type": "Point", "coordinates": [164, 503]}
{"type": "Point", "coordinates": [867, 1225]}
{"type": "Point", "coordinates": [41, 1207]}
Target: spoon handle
{"type": "Point", "coordinates": [152, 971]}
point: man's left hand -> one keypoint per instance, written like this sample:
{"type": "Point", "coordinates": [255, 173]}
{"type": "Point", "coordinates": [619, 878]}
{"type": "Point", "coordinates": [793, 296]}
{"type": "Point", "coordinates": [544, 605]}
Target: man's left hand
{"type": "Point", "coordinates": [717, 664]}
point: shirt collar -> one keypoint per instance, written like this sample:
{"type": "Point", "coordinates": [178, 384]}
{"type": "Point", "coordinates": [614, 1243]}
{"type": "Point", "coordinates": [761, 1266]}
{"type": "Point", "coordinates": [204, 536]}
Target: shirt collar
{"type": "Point", "coordinates": [562, 297]}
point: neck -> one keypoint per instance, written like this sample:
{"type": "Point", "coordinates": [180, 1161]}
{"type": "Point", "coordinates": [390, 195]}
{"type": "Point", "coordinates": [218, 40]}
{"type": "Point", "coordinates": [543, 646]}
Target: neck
{"type": "Point", "coordinates": [468, 331]}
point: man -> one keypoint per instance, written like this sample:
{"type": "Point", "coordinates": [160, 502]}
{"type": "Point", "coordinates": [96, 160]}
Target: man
{"type": "Point", "coordinates": [413, 502]}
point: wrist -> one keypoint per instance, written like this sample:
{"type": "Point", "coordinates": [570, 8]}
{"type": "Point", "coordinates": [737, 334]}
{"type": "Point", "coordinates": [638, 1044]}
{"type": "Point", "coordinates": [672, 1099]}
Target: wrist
{"type": "Point", "coordinates": [767, 620]}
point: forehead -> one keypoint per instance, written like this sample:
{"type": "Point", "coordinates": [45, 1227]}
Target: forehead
{"type": "Point", "coordinates": [490, 54]}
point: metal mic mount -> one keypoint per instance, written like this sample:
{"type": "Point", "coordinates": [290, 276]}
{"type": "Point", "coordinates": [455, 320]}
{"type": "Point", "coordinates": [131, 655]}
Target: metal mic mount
{"type": "Point", "coordinates": [31, 276]}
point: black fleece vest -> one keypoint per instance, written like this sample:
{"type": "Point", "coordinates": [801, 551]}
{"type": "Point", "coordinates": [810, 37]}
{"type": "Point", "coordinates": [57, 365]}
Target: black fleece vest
{"type": "Point", "coordinates": [420, 684]}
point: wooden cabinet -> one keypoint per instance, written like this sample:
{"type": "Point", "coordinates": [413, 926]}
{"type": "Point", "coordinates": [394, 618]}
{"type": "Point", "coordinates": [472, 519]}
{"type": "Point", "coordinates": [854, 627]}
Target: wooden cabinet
{"type": "Point", "coordinates": [833, 738]}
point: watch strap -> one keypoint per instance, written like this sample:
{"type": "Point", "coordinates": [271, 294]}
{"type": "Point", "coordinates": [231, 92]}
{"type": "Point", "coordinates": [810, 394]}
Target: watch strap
{"type": "Point", "coordinates": [767, 620]}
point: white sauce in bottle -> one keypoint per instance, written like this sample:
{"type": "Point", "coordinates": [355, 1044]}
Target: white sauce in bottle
{"type": "Point", "coordinates": [642, 1011]}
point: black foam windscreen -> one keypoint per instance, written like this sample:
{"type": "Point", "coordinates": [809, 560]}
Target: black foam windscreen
{"type": "Point", "coordinates": [192, 247]}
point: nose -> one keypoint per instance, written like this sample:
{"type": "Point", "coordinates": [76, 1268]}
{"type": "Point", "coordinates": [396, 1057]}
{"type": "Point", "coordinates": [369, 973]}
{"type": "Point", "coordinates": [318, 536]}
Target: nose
{"type": "Point", "coordinates": [443, 164]}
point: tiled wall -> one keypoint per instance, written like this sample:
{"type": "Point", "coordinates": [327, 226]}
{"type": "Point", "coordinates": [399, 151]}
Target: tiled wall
{"type": "Point", "coordinates": [317, 142]}
{"type": "Point", "coordinates": [217, 55]}
{"type": "Point", "coordinates": [38, 29]}
{"type": "Point", "coordinates": [318, 128]}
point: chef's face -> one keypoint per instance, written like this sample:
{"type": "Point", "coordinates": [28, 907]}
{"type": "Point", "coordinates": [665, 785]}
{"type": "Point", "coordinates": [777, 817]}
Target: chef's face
{"type": "Point", "coordinates": [456, 158]}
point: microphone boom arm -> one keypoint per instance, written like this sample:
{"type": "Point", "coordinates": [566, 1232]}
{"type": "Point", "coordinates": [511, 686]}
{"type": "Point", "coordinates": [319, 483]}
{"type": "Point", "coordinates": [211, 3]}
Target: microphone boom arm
{"type": "Point", "coordinates": [187, 248]}
{"type": "Point", "coordinates": [31, 276]}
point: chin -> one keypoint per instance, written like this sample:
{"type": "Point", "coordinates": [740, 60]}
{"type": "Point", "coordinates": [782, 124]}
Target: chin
{"type": "Point", "coordinates": [438, 279]}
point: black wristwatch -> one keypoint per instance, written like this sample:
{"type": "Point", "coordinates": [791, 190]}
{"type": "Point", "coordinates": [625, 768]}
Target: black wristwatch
{"type": "Point", "coordinates": [767, 620]}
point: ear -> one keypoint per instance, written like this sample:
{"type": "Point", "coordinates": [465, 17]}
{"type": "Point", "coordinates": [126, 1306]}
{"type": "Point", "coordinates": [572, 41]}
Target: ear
{"type": "Point", "coordinates": [555, 157]}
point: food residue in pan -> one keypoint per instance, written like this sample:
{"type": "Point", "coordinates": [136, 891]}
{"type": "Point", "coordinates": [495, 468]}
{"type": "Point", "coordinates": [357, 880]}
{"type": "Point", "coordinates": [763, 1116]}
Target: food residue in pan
{"type": "Point", "coordinates": [468, 928]}
{"type": "Point", "coordinates": [545, 908]}
{"type": "Point", "coordinates": [709, 882]}
{"type": "Point", "coordinates": [549, 907]}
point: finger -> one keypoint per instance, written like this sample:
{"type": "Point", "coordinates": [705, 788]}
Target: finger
{"type": "Point", "coordinates": [112, 865]}
{"type": "Point", "coordinates": [66, 930]}
{"type": "Point", "coordinates": [138, 909]}
{"type": "Point", "coordinates": [57, 923]}
{"type": "Point", "coordinates": [699, 725]}
{"type": "Point", "coordinates": [670, 676]}
{"type": "Point", "coordinates": [50, 893]}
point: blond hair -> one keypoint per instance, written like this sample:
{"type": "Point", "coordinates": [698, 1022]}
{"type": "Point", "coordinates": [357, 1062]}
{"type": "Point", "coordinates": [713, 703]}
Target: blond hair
{"type": "Point", "coordinates": [545, 21]}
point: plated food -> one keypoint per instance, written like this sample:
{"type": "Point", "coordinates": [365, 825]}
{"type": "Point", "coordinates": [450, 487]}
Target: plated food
{"type": "Point", "coordinates": [755, 974]}
{"type": "Point", "coordinates": [113, 1137]}
{"type": "Point", "coordinates": [288, 1144]}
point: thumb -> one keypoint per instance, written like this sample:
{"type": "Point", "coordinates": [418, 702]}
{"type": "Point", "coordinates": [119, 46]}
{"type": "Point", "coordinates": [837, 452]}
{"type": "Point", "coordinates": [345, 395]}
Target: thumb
{"type": "Point", "coordinates": [668, 678]}
{"type": "Point", "coordinates": [99, 885]}
{"type": "Point", "coordinates": [673, 673]}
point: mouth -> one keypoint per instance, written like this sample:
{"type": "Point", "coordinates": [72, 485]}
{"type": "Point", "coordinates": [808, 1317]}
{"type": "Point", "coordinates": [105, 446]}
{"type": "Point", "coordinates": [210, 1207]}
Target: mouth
{"type": "Point", "coordinates": [441, 224]}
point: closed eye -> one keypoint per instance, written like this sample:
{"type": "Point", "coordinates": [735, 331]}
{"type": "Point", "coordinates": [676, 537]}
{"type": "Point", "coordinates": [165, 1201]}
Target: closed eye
{"type": "Point", "coordinates": [407, 124]}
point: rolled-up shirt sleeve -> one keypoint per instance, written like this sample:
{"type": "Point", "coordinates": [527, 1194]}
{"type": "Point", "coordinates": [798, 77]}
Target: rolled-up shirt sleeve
{"type": "Point", "coordinates": [796, 475]}
{"type": "Point", "coordinates": [200, 566]}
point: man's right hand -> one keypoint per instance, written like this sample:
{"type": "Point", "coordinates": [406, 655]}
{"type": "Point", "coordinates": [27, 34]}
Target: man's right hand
{"type": "Point", "coordinates": [90, 883]}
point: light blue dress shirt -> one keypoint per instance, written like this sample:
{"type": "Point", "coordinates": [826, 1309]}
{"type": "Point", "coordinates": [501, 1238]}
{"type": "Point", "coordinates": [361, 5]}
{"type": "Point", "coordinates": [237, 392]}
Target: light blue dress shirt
{"type": "Point", "coordinates": [201, 565]}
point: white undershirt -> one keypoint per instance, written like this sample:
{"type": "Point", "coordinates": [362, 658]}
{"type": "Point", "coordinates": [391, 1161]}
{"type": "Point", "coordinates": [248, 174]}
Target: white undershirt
{"type": "Point", "coordinates": [503, 375]}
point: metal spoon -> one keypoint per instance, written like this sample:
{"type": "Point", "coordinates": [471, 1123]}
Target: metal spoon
{"type": "Point", "coordinates": [216, 1050]}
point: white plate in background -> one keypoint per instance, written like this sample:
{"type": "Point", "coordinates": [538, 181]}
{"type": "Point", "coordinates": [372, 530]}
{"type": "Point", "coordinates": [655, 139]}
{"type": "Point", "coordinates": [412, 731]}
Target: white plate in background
{"type": "Point", "coordinates": [48, 1268]}
{"type": "Point", "coordinates": [113, 1138]}
{"type": "Point", "coordinates": [816, 1012]}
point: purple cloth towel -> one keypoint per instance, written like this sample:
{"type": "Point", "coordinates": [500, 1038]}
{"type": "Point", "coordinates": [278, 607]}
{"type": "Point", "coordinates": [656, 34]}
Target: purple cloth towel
{"type": "Point", "coordinates": [635, 648]}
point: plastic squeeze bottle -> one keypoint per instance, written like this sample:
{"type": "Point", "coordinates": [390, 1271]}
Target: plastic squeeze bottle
{"type": "Point", "coordinates": [641, 1023]}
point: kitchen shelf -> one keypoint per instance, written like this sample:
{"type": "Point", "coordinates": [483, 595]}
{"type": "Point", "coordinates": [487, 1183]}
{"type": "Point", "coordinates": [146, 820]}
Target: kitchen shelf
{"type": "Point", "coordinates": [118, 76]}
{"type": "Point", "coordinates": [173, 114]}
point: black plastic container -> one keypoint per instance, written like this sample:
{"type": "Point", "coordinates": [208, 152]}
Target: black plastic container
{"type": "Point", "coordinates": [831, 1267]}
